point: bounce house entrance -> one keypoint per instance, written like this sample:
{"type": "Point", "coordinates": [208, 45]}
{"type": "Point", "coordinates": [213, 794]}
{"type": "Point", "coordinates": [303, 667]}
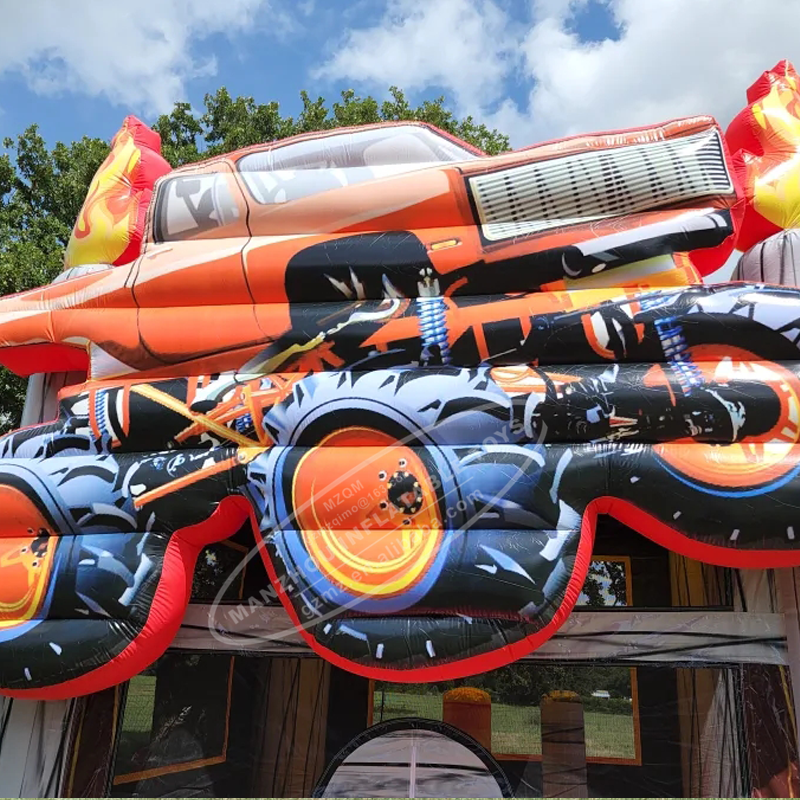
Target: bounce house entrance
{"type": "Point", "coordinates": [413, 758]}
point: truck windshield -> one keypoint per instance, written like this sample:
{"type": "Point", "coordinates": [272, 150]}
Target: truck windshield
{"type": "Point", "coordinates": [305, 168]}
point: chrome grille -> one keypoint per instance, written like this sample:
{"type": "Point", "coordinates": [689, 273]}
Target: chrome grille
{"type": "Point", "coordinates": [585, 187]}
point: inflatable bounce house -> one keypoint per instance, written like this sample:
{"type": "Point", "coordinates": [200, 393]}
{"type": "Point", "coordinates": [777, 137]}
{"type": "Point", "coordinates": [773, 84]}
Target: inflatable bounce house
{"type": "Point", "coordinates": [364, 464]}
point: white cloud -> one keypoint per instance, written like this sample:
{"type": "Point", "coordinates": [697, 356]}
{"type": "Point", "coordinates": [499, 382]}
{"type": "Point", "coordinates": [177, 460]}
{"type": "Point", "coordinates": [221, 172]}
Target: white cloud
{"type": "Point", "coordinates": [139, 54]}
{"type": "Point", "coordinates": [463, 46]}
{"type": "Point", "coordinates": [672, 58]}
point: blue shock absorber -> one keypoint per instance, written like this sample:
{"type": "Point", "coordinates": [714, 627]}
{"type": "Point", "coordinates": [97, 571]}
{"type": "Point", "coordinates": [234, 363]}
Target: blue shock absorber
{"type": "Point", "coordinates": [654, 300]}
{"type": "Point", "coordinates": [432, 313]}
{"type": "Point", "coordinates": [241, 424]}
{"type": "Point", "coordinates": [673, 343]}
{"type": "Point", "coordinates": [101, 396]}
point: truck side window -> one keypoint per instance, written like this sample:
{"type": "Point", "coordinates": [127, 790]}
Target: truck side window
{"type": "Point", "coordinates": [188, 205]}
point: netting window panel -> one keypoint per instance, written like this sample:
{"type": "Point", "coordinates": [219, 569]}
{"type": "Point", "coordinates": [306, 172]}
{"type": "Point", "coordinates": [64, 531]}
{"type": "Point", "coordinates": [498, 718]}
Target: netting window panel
{"type": "Point", "coordinates": [733, 735]}
{"type": "Point", "coordinates": [609, 697]}
{"type": "Point", "coordinates": [217, 725]}
{"type": "Point", "coordinates": [670, 679]}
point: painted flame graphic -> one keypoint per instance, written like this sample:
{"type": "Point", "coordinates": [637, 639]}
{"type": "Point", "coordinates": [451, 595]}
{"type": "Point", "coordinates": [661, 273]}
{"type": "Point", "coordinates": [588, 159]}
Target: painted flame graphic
{"type": "Point", "coordinates": [110, 222]}
{"type": "Point", "coordinates": [765, 141]}
{"type": "Point", "coordinates": [776, 175]}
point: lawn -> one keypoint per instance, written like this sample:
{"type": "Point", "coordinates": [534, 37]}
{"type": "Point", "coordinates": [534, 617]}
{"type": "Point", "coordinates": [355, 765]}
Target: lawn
{"type": "Point", "coordinates": [141, 700]}
{"type": "Point", "coordinates": [136, 722]}
{"type": "Point", "coordinates": [516, 730]}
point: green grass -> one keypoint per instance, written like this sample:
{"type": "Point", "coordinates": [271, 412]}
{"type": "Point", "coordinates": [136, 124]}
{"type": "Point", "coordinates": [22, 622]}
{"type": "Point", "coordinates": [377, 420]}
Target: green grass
{"type": "Point", "coordinates": [136, 722]}
{"type": "Point", "coordinates": [141, 700]}
{"type": "Point", "coordinates": [517, 730]}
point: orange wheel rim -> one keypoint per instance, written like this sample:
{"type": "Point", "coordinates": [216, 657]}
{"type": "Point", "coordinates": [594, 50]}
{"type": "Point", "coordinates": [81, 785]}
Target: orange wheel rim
{"type": "Point", "coordinates": [755, 460]}
{"type": "Point", "coordinates": [27, 547]}
{"type": "Point", "coordinates": [368, 512]}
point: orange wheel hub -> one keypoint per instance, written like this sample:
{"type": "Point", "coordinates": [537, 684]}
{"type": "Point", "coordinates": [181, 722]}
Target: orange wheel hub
{"type": "Point", "coordinates": [368, 512]}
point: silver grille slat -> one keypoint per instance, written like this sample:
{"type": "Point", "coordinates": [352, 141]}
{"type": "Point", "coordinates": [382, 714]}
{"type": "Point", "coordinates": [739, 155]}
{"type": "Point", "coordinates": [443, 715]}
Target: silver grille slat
{"type": "Point", "coordinates": [586, 187]}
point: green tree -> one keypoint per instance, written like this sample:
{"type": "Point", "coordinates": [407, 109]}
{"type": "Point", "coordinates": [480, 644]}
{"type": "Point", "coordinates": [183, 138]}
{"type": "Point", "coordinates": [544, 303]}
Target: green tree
{"type": "Point", "coordinates": [606, 584]}
{"type": "Point", "coordinates": [41, 193]}
{"type": "Point", "coordinates": [229, 124]}
{"type": "Point", "coordinates": [42, 189]}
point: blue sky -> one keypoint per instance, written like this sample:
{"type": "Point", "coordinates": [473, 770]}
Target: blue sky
{"type": "Point", "coordinates": [250, 63]}
{"type": "Point", "coordinates": [533, 68]}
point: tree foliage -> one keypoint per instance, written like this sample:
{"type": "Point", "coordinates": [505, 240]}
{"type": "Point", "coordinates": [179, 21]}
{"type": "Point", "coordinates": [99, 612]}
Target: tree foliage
{"type": "Point", "coordinates": [229, 124]}
{"type": "Point", "coordinates": [42, 189]}
{"type": "Point", "coordinates": [606, 585]}
{"type": "Point", "coordinates": [523, 684]}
